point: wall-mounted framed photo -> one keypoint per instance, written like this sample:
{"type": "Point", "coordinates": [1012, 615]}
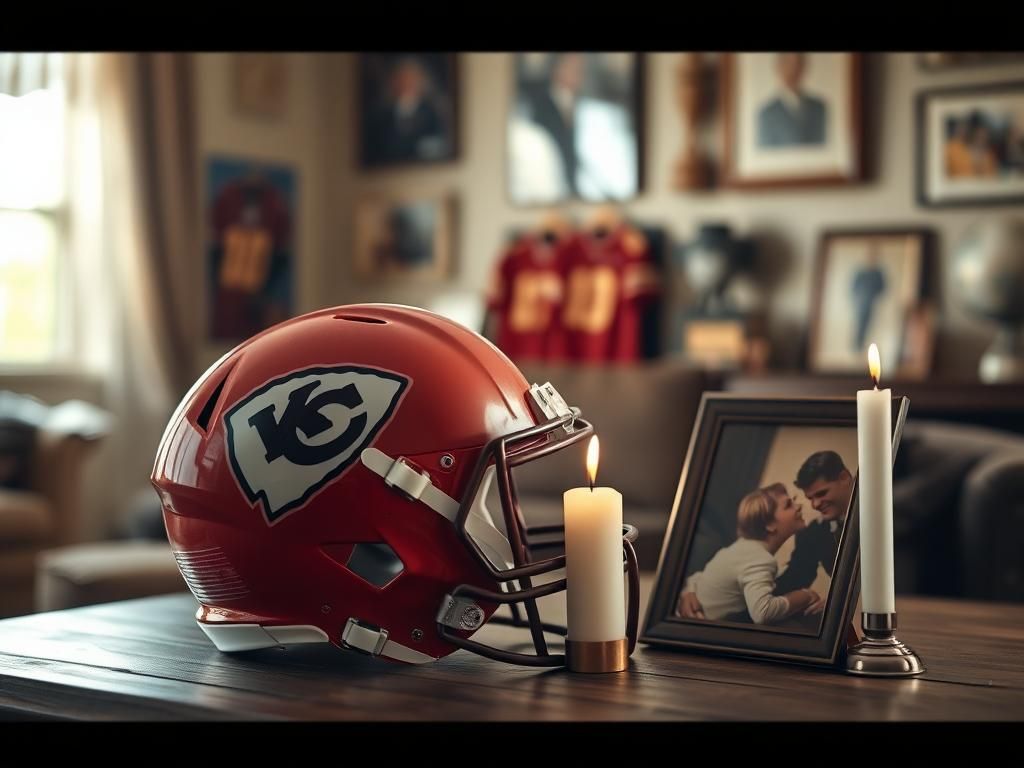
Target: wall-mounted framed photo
{"type": "Point", "coordinates": [792, 119]}
{"type": "Point", "coordinates": [574, 128]}
{"type": "Point", "coordinates": [404, 238]}
{"type": "Point", "coordinates": [760, 557]}
{"type": "Point", "coordinates": [250, 247]}
{"type": "Point", "coordinates": [870, 286]}
{"type": "Point", "coordinates": [408, 108]}
{"type": "Point", "coordinates": [261, 83]}
{"type": "Point", "coordinates": [970, 145]}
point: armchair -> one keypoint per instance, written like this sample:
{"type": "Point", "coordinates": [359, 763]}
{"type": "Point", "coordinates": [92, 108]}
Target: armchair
{"type": "Point", "coordinates": [46, 512]}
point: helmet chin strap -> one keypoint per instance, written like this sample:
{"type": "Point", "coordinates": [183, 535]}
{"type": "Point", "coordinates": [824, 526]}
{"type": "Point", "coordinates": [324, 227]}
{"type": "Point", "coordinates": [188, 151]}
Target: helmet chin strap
{"type": "Point", "coordinates": [480, 523]}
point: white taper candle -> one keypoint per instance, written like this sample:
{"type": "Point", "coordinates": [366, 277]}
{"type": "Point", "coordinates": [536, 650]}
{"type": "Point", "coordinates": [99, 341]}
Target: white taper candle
{"type": "Point", "coordinates": [874, 458]}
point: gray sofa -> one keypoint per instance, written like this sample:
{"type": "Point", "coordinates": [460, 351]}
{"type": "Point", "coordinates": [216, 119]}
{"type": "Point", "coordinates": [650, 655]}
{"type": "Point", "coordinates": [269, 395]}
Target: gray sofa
{"type": "Point", "coordinates": [958, 489]}
{"type": "Point", "coordinates": [643, 415]}
{"type": "Point", "coordinates": [958, 509]}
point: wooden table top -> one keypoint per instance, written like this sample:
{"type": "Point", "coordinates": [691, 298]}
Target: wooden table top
{"type": "Point", "coordinates": [147, 660]}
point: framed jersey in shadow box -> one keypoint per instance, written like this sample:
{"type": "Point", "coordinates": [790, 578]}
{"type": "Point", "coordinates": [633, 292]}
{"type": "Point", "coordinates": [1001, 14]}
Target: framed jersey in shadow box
{"type": "Point", "coordinates": [761, 554]}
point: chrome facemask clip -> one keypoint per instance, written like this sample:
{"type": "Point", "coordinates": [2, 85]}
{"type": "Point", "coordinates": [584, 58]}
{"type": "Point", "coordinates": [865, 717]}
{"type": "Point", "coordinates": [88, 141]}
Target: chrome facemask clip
{"type": "Point", "coordinates": [548, 404]}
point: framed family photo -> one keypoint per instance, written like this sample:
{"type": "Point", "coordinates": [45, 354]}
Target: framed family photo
{"type": "Point", "coordinates": [792, 119]}
{"type": "Point", "coordinates": [404, 238]}
{"type": "Point", "coordinates": [761, 554]}
{"type": "Point", "coordinates": [574, 127]}
{"type": "Point", "coordinates": [970, 145]}
{"type": "Point", "coordinates": [870, 286]}
{"type": "Point", "coordinates": [408, 109]}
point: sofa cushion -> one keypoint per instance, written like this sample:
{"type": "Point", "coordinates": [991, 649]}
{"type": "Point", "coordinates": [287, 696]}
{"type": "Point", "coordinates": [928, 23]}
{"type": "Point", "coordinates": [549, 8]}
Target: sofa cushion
{"type": "Point", "coordinates": [24, 517]}
{"type": "Point", "coordinates": [934, 461]}
{"type": "Point", "coordinates": [102, 572]}
{"type": "Point", "coordinates": [643, 415]}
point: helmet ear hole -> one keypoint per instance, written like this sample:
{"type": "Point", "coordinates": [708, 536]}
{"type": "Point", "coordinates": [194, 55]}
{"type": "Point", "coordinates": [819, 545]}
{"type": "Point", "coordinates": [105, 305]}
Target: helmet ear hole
{"type": "Point", "coordinates": [375, 563]}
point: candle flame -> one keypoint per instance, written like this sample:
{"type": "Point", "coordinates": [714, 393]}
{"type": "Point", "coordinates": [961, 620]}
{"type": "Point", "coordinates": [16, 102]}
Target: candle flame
{"type": "Point", "coordinates": [874, 364]}
{"type": "Point", "coordinates": [592, 455]}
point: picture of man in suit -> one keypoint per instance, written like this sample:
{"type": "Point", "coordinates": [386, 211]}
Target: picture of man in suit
{"type": "Point", "coordinates": [572, 129]}
{"type": "Point", "coordinates": [868, 288]}
{"type": "Point", "coordinates": [405, 119]}
{"type": "Point", "coordinates": [793, 117]}
{"type": "Point", "coordinates": [554, 106]}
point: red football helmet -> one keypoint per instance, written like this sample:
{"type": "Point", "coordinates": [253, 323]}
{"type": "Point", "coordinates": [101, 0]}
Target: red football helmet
{"type": "Point", "coordinates": [326, 481]}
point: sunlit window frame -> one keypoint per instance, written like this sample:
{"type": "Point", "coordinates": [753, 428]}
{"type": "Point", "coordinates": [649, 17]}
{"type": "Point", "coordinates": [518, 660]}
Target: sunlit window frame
{"type": "Point", "coordinates": [62, 362]}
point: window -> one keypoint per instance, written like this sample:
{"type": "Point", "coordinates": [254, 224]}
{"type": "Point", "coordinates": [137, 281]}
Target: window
{"type": "Point", "coordinates": [32, 225]}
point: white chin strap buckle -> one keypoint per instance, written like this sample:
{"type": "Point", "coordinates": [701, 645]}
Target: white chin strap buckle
{"type": "Point", "coordinates": [406, 479]}
{"type": "Point", "coordinates": [364, 638]}
{"type": "Point", "coordinates": [400, 476]}
{"type": "Point", "coordinates": [373, 641]}
{"type": "Point", "coordinates": [397, 474]}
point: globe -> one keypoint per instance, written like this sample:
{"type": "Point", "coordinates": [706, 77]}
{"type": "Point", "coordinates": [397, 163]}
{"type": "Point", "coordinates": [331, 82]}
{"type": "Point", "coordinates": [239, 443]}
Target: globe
{"type": "Point", "coordinates": [988, 271]}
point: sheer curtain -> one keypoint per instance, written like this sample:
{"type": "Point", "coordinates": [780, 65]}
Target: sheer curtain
{"type": "Point", "coordinates": [133, 249]}
{"type": "Point", "coordinates": [22, 73]}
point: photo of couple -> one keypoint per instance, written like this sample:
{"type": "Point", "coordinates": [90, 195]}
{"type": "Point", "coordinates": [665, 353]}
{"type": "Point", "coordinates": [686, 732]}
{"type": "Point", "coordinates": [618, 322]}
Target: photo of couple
{"type": "Point", "coordinates": [765, 547]}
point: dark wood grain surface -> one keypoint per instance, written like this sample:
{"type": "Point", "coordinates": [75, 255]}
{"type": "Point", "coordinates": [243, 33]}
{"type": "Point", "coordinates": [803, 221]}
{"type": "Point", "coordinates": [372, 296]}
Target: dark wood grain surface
{"type": "Point", "coordinates": [147, 660]}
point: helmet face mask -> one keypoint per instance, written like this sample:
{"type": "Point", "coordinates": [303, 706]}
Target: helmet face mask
{"type": "Point", "coordinates": [328, 481]}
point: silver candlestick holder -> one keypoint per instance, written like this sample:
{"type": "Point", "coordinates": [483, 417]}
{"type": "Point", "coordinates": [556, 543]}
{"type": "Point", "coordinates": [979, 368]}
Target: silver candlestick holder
{"type": "Point", "coordinates": [881, 653]}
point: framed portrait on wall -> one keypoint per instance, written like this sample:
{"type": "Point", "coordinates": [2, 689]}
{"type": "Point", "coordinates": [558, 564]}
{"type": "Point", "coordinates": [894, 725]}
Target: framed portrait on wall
{"type": "Point", "coordinates": [870, 286]}
{"type": "Point", "coordinates": [760, 557]}
{"type": "Point", "coordinates": [250, 246]}
{"type": "Point", "coordinates": [261, 83]}
{"type": "Point", "coordinates": [792, 119]}
{"type": "Point", "coordinates": [404, 238]}
{"type": "Point", "coordinates": [970, 145]}
{"type": "Point", "coordinates": [573, 129]}
{"type": "Point", "coordinates": [408, 109]}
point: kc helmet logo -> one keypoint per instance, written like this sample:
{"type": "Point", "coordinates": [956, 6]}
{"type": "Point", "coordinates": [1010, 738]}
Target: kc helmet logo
{"type": "Point", "coordinates": [292, 436]}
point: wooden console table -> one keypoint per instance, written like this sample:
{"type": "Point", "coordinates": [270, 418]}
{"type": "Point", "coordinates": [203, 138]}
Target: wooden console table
{"type": "Point", "coordinates": [147, 660]}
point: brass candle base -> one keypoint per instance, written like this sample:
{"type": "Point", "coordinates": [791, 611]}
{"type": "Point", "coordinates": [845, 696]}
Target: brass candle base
{"type": "Point", "coordinates": [881, 653]}
{"type": "Point", "coordinates": [597, 656]}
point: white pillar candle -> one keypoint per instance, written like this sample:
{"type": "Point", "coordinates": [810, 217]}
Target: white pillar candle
{"type": "Point", "coordinates": [595, 590]}
{"type": "Point", "coordinates": [874, 457]}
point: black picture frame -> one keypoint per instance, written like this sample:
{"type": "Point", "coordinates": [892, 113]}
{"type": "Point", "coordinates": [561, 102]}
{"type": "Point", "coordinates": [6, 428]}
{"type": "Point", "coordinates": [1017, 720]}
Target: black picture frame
{"type": "Point", "coordinates": [993, 174]}
{"type": "Point", "coordinates": [663, 627]}
{"type": "Point", "coordinates": [537, 141]}
{"type": "Point", "coordinates": [423, 131]}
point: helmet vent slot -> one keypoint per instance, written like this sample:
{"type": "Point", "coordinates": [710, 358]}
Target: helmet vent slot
{"type": "Point", "coordinates": [361, 319]}
{"type": "Point", "coordinates": [376, 563]}
{"type": "Point", "coordinates": [203, 420]}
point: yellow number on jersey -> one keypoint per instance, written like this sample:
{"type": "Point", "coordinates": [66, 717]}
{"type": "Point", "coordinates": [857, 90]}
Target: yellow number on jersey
{"type": "Point", "coordinates": [591, 299]}
{"type": "Point", "coordinates": [533, 295]}
{"type": "Point", "coordinates": [246, 259]}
